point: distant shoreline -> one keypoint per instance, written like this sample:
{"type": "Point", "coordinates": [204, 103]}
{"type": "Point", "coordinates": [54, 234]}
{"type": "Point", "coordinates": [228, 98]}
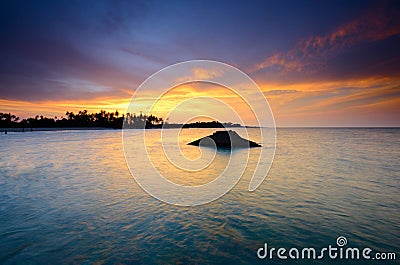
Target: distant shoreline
{"type": "Point", "coordinates": [49, 129]}
{"type": "Point", "coordinates": [3, 130]}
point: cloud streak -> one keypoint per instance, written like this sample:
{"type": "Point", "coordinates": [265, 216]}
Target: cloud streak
{"type": "Point", "coordinates": [311, 53]}
{"type": "Point", "coordinates": [342, 102]}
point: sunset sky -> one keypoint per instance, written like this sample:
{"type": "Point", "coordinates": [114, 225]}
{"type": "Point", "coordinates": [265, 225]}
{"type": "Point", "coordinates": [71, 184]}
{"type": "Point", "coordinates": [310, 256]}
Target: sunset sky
{"type": "Point", "coordinates": [319, 63]}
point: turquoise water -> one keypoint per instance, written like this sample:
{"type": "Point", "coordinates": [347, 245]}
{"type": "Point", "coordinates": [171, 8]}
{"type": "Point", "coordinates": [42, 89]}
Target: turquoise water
{"type": "Point", "coordinates": [68, 197]}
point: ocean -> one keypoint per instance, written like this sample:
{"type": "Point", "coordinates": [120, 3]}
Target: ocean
{"type": "Point", "coordinates": [69, 197]}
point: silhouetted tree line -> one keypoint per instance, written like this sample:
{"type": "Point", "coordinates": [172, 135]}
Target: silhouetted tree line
{"type": "Point", "coordinates": [82, 119]}
{"type": "Point", "coordinates": [102, 119]}
{"type": "Point", "coordinates": [133, 121]}
{"type": "Point", "coordinates": [8, 120]}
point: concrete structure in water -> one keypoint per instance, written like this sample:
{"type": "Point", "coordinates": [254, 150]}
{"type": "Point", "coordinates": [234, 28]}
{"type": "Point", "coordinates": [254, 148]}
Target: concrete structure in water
{"type": "Point", "coordinates": [224, 139]}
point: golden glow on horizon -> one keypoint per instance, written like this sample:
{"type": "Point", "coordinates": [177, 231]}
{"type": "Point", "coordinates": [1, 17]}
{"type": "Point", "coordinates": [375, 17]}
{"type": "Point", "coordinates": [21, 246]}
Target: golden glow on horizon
{"type": "Point", "coordinates": [25, 109]}
{"type": "Point", "coordinates": [312, 103]}
{"type": "Point", "coordinates": [200, 99]}
{"type": "Point", "coordinates": [361, 100]}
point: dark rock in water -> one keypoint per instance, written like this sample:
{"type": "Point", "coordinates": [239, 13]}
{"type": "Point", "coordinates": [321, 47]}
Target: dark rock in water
{"type": "Point", "coordinates": [224, 139]}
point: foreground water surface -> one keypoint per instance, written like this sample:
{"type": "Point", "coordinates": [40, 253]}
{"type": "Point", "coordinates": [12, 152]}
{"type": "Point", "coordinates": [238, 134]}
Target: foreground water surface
{"type": "Point", "coordinates": [68, 197]}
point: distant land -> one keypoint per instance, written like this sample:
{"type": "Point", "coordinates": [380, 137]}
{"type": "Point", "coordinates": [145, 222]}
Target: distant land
{"type": "Point", "coordinates": [102, 120]}
{"type": "Point", "coordinates": [211, 124]}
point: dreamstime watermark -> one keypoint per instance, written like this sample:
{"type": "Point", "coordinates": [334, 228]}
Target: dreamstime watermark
{"type": "Point", "coordinates": [155, 92]}
{"type": "Point", "coordinates": [336, 252]}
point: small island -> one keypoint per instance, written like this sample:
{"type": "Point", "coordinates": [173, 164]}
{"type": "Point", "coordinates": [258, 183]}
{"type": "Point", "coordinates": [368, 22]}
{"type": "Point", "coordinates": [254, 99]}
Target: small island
{"type": "Point", "coordinates": [224, 139]}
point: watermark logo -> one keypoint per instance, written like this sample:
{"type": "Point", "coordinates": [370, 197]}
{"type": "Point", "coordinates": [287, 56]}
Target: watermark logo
{"type": "Point", "coordinates": [338, 252]}
{"type": "Point", "coordinates": [341, 241]}
{"type": "Point", "coordinates": [178, 93]}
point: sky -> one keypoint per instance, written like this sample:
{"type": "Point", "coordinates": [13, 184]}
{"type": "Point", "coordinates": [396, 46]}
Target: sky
{"type": "Point", "coordinates": [318, 63]}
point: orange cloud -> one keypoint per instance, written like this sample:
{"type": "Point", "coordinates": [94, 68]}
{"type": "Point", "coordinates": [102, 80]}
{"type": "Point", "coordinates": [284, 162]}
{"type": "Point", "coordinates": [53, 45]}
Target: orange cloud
{"type": "Point", "coordinates": [275, 89]}
{"type": "Point", "coordinates": [328, 103]}
{"type": "Point", "coordinates": [336, 103]}
{"type": "Point", "coordinates": [192, 99]}
{"type": "Point", "coordinates": [201, 74]}
{"type": "Point", "coordinates": [25, 109]}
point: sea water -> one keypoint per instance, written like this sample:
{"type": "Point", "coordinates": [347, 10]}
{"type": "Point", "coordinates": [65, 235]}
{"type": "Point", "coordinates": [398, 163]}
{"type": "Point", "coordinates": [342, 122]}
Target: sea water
{"type": "Point", "coordinates": [69, 197]}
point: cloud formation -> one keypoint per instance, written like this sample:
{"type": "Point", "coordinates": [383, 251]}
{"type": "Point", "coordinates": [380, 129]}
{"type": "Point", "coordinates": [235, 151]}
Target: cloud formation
{"type": "Point", "coordinates": [312, 53]}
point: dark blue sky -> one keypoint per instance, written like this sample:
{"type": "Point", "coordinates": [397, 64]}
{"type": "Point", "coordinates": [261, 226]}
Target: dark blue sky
{"type": "Point", "coordinates": [75, 50]}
